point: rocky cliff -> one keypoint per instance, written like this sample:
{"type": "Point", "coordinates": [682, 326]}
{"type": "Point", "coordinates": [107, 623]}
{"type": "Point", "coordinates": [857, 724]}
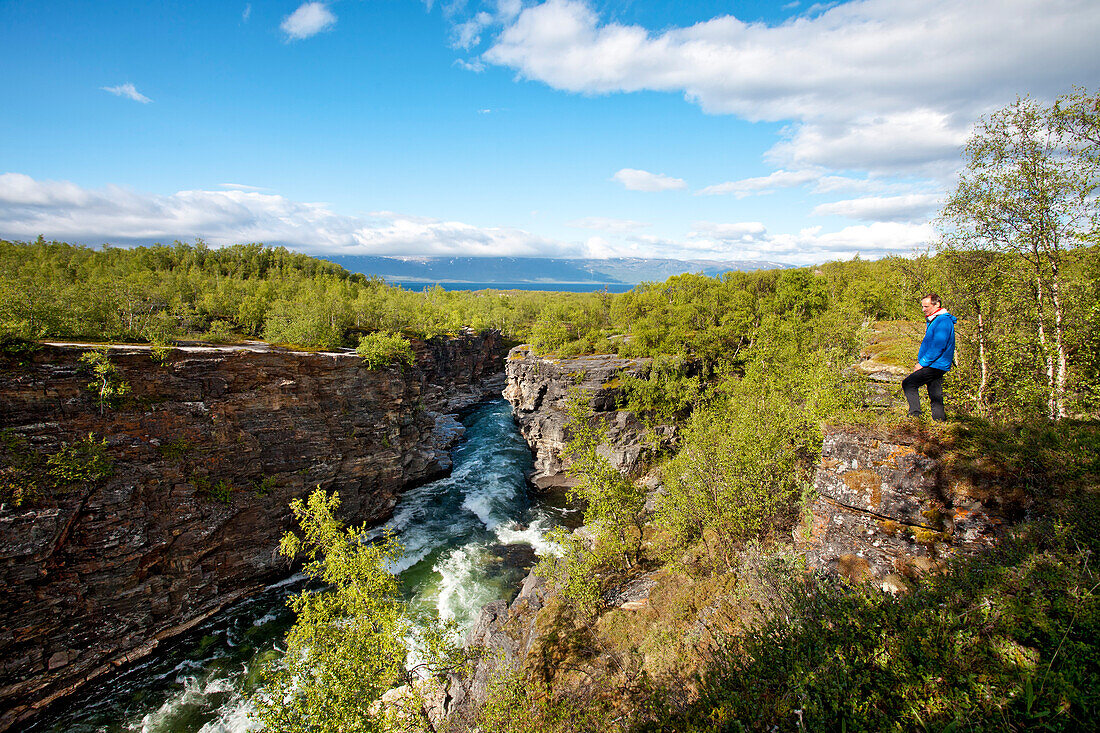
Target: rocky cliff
{"type": "Point", "coordinates": [538, 389]}
{"type": "Point", "coordinates": [888, 507]}
{"type": "Point", "coordinates": [206, 450]}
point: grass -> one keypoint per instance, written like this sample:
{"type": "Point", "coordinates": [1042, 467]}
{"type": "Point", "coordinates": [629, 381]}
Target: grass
{"type": "Point", "coordinates": [893, 343]}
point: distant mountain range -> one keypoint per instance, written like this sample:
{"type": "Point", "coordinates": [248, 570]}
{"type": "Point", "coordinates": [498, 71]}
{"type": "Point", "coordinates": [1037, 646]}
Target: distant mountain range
{"type": "Point", "coordinates": [628, 270]}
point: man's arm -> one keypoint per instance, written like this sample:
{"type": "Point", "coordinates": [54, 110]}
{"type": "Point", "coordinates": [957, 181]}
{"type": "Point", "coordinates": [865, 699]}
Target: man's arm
{"type": "Point", "coordinates": [935, 342]}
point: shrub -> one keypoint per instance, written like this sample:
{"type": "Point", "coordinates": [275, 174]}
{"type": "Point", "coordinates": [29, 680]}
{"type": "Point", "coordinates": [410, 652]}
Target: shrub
{"type": "Point", "coordinates": [220, 491]}
{"type": "Point", "coordinates": [350, 643]}
{"type": "Point", "coordinates": [1004, 641]}
{"type": "Point", "coordinates": [221, 332]}
{"type": "Point", "coordinates": [382, 348]}
{"type": "Point", "coordinates": [745, 454]}
{"type": "Point", "coordinates": [107, 386]}
{"type": "Point", "coordinates": [19, 467]}
{"type": "Point", "coordinates": [85, 461]}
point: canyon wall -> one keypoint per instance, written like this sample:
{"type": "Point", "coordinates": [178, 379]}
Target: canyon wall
{"type": "Point", "coordinates": [538, 389]}
{"type": "Point", "coordinates": [207, 450]}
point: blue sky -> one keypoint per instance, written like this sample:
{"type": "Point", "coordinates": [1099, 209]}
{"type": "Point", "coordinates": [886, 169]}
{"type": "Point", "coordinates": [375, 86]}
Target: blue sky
{"type": "Point", "coordinates": [722, 130]}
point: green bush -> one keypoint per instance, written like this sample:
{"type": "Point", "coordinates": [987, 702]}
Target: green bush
{"type": "Point", "coordinates": [746, 454]}
{"type": "Point", "coordinates": [383, 348]}
{"type": "Point", "coordinates": [107, 386]}
{"type": "Point", "coordinates": [220, 491]}
{"type": "Point", "coordinates": [221, 332]}
{"type": "Point", "coordinates": [85, 461]}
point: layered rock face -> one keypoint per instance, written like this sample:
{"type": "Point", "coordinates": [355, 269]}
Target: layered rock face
{"type": "Point", "coordinates": [208, 449]}
{"type": "Point", "coordinates": [886, 511]}
{"type": "Point", "coordinates": [538, 389]}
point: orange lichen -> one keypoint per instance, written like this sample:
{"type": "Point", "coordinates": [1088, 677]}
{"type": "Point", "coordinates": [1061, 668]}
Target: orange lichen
{"type": "Point", "coordinates": [866, 483]}
{"type": "Point", "coordinates": [853, 567]}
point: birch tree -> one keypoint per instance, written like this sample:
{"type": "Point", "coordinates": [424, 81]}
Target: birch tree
{"type": "Point", "coordinates": [1028, 190]}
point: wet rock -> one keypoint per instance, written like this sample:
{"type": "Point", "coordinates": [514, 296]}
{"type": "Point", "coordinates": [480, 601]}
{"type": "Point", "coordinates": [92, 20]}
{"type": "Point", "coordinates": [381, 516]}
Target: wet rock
{"type": "Point", "coordinates": [516, 556]}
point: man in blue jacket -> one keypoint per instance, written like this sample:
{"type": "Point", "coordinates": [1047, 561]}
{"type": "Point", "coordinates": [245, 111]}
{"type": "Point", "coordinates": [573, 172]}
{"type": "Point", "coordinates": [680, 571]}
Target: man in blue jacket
{"type": "Point", "coordinates": [934, 359]}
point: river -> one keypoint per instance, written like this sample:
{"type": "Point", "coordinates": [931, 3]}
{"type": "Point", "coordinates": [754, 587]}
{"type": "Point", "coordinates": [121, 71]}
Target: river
{"type": "Point", "coordinates": [469, 538]}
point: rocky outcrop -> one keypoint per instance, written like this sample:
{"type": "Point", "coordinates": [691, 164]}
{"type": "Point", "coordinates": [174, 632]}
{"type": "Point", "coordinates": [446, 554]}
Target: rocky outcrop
{"type": "Point", "coordinates": [538, 389]}
{"type": "Point", "coordinates": [208, 448]}
{"type": "Point", "coordinates": [504, 635]}
{"type": "Point", "coordinates": [886, 511]}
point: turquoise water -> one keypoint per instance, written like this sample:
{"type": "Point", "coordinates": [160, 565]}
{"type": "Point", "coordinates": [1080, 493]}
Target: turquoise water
{"type": "Point", "coordinates": [469, 539]}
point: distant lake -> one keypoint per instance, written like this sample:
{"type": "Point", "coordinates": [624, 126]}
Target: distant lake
{"type": "Point", "coordinates": [555, 287]}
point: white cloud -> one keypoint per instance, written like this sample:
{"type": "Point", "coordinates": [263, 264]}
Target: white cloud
{"type": "Point", "coordinates": [882, 85]}
{"type": "Point", "coordinates": [65, 211]}
{"type": "Point", "coordinates": [607, 224]}
{"type": "Point", "coordinates": [241, 187]}
{"type": "Point", "coordinates": [922, 141]}
{"type": "Point", "coordinates": [638, 180]}
{"type": "Point", "coordinates": [308, 20]}
{"type": "Point", "coordinates": [129, 91]}
{"type": "Point", "coordinates": [750, 241]}
{"type": "Point", "coordinates": [744, 231]}
{"type": "Point", "coordinates": [247, 13]}
{"type": "Point", "coordinates": [761, 184]}
{"type": "Point", "coordinates": [913, 208]}
{"type": "Point", "coordinates": [468, 34]}
{"type": "Point", "coordinates": [816, 179]}
{"type": "Point", "coordinates": [475, 66]}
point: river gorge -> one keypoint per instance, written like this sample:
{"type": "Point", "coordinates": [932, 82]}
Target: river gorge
{"type": "Point", "coordinates": [469, 538]}
{"type": "Point", "coordinates": [145, 599]}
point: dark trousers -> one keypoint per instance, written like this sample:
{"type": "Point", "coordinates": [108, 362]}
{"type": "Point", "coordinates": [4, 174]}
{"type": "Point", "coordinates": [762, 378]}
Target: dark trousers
{"type": "Point", "coordinates": [934, 379]}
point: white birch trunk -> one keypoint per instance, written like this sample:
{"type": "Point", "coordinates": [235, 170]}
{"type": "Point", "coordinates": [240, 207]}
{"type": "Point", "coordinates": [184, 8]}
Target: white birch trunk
{"type": "Point", "coordinates": [1060, 382]}
{"type": "Point", "coordinates": [982, 360]}
{"type": "Point", "coordinates": [1051, 406]}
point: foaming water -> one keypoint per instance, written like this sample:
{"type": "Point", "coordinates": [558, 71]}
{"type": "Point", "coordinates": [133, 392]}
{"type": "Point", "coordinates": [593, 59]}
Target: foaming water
{"type": "Point", "coordinates": [468, 539]}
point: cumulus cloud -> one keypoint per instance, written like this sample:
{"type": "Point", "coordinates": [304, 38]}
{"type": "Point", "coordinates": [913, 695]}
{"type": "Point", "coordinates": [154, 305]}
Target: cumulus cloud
{"type": "Point", "coordinates": [638, 180]}
{"type": "Point", "coordinates": [65, 211]}
{"type": "Point", "coordinates": [913, 208]}
{"type": "Point", "coordinates": [129, 91]}
{"type": "Point", "coordinates": [752, 241]}
{"type": "Point", "coordinates": [922, 141]}
{"type": "Point", "coordinates": [881, 85]}
{"type": "Point", "coordinates": [308, 20]}
{"type": "Point", "coordinates": [607, 224]}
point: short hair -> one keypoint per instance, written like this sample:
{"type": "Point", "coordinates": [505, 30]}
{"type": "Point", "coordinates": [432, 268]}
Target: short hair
{"type": "Point", "coordinates": [934, 298]}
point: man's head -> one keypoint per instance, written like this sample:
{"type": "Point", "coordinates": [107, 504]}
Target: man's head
{"type": "Point", "coordinates": [930, 304]}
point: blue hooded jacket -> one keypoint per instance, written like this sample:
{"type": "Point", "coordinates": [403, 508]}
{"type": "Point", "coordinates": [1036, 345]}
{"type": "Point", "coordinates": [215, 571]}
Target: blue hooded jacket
{"type": "Point", "coordinates": [937, 350]}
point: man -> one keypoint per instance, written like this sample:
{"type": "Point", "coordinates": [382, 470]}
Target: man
{"type": "Point", "coordinates": [934, 359]}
